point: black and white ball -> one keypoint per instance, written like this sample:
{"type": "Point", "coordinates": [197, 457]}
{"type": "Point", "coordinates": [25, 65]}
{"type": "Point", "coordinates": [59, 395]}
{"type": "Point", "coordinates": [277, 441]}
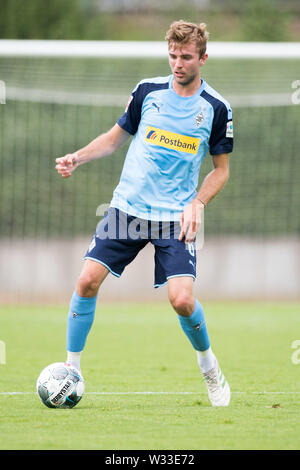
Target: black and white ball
{"type": "Point", "coordinates": [60, 385]}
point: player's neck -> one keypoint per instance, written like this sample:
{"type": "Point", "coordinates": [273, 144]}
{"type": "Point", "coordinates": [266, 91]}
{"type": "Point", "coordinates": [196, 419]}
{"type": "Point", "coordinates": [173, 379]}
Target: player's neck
{"type": "Point", "coordinates": [189, 89]}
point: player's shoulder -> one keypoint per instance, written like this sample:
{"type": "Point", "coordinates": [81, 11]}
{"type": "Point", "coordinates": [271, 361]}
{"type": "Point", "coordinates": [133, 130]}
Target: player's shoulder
{"type": "Point", "coordinates": [153, 83]}
{"type": "Point", "coordinates": [216, 100]}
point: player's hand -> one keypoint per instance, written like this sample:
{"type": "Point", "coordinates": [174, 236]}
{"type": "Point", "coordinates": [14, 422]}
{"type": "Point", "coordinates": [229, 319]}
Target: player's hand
{"type": "Point", "coordinates": [190, 221]}
{"type": "Point", "coordinates": [67, 164]}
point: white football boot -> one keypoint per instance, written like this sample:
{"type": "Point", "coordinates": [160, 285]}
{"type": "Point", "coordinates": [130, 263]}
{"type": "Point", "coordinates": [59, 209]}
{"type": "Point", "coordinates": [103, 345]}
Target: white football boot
{"type": "Point", "coordinates": [217, 386]}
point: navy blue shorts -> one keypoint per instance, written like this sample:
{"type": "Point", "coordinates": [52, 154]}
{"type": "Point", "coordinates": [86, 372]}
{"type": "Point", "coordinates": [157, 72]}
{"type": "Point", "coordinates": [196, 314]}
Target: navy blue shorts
{"type": "Point", "coordinates": [119, 237]}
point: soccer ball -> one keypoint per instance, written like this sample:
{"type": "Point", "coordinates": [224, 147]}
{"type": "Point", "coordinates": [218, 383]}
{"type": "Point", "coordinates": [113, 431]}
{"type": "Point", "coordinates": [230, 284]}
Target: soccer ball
{"type": "Point", "coordinates": [60, 385]}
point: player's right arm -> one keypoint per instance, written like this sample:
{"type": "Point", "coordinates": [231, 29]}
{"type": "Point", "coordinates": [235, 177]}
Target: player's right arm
{"type": "Point", "coordinates": [102, 146]}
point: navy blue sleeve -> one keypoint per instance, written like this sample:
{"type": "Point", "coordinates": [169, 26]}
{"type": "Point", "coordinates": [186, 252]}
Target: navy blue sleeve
{"type": "Point", "coordinates": [221, 138]}
{"type": "Point", "coordinates": [132, 116]}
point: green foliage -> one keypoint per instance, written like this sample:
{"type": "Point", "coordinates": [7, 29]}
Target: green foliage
{"type": "Point", "coordinates": [264, 20]}
{"type": "Point", "coordinates": [35, 19]}
{"type": "Point", "coordinates": [259, 20]}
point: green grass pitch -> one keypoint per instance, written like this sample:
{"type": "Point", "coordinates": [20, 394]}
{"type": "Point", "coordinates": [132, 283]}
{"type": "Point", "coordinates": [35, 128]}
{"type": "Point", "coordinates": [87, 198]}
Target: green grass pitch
{"type": "Point", "coordinates": [138, 348]}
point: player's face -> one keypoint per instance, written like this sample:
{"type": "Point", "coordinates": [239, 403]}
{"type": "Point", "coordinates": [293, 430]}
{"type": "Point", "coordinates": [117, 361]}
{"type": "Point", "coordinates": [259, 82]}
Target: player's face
{"type": "Point", "coordinates": [185, 63]}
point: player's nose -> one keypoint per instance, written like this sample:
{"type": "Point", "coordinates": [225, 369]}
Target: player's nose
{"type": "Point", "coordinates": [178, 63]}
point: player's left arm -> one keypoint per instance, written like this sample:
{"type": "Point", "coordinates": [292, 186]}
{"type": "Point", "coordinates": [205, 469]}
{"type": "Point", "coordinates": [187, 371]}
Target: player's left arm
{"type": "Point", "coordinates": [191, 216]}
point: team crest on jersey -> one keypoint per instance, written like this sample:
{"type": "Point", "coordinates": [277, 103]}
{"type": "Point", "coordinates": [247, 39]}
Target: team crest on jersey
{"type": "Point", "coordinates": [199, 119]}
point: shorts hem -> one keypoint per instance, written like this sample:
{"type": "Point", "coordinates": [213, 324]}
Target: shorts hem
{"type": "Point", "coordinates": [103, 264]}
{"type": "Point", "coordinates": [160, 285]}
{"type": "Point", "coordinates": [174, 275]}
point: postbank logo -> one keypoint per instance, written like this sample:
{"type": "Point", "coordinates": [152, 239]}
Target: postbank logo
{"type": "Point", "coordinates": [171, 140]}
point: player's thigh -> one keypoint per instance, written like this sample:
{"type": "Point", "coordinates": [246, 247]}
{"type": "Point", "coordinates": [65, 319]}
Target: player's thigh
{"type": "Point", "coordinates": [180, 292]}
{"type": "Point", "coordinates": [91, 276]}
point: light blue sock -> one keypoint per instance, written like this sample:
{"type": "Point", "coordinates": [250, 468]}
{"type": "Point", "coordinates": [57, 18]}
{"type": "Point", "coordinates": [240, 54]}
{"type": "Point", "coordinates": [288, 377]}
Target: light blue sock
{"type": "Point", "coordinates": [195, 328]}
{"type": "Point", "coordinates": [80, 320]}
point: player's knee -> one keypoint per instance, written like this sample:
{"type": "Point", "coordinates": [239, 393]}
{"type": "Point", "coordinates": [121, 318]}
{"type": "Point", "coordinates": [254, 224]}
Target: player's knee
{"type": "Point", "coordinates": [87, 285]}
{"type": "Point", "coordinates": [182, 302]}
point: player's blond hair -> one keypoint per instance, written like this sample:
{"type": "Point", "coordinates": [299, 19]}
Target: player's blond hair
{"type": "Point", "coordinates": [181, 33]}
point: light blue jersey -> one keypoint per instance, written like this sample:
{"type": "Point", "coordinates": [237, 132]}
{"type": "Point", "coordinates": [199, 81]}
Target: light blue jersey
{"type": "Point", "coordinates": [172, 135]}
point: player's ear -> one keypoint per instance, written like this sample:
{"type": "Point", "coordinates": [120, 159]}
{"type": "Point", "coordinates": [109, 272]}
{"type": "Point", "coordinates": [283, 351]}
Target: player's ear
{"type": "Point", "coordinates": [203, 59]}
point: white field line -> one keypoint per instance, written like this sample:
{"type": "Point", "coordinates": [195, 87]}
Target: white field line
{"type": "Point", "coordinates": [167, 393]}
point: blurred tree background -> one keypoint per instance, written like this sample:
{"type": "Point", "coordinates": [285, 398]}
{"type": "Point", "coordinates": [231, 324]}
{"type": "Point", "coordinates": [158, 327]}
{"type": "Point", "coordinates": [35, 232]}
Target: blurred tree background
{"type": "Point", "coordinates": [228, 20]}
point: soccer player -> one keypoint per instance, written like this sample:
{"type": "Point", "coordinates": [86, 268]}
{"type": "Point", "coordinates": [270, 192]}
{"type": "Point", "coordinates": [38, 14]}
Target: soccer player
{"type": "Point", "coordinates": [174, 121]}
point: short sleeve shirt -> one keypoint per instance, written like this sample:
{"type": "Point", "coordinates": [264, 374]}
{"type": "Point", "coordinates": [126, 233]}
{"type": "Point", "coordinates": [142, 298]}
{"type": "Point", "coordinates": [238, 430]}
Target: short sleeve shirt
{"type": "Point", "coordinates": [171, 137]}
